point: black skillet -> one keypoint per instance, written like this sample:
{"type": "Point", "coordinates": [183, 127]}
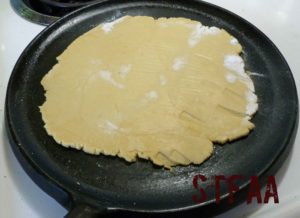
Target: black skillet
{"type": "Point", "coordinates": [89, 185]}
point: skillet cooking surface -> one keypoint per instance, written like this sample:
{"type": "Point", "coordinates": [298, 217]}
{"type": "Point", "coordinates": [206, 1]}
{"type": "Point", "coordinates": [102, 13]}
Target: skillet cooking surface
{"type": "Point", "coordinates": [141, 186]}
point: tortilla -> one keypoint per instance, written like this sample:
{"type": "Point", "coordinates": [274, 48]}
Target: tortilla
{"type": "Point", "coordinates": [159, 89]}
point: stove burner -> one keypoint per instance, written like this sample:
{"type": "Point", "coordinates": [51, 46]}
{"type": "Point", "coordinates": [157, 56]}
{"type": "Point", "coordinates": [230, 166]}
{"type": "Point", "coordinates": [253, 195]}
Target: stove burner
{"type": "Point", "coordinates": [47, 11]}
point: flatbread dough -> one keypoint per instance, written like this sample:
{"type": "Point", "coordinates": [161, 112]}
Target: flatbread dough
{"type": "Point", "coordinates": [162, 89]}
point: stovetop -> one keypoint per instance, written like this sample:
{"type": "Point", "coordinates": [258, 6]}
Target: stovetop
{"type": "Point", "coordinates": [21, 198]}
{"type": "Point", "coordinates": [47, 11]}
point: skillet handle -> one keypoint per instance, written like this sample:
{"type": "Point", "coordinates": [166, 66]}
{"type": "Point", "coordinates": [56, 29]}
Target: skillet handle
{"type": "Point", "coordinates": [85, 211]}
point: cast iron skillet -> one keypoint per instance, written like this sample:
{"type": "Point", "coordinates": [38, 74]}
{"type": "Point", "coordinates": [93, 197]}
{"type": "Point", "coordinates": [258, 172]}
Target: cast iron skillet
{"type": "Point", "coordinates": [91, 185]}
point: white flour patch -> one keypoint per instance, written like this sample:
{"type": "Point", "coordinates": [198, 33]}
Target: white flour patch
{"type": "Point", "coordinates": [251, 97]}
{"type": "Point", "coordinates": [234, 41]}
{"type": "Point", "coordinates": [124, 70]}
{"type": "Point", "coordinates": [109, 127]}
{"type": "Point", "coordinates": [199, 31]}
{"type": "Point", "coordinates": [252, 105]}
{"type": "Point", "coordinates": [231, 78]}
{"type": "Point", "coordinates": [234, 63]}
{"type": "Point", "coordinates": [178, 63]}
{"type": "Point", "coordinates": [152, 95]}
{"type": "Point", "coordinates": [108, 27]}
{"type": "Point", "coordinates": [107, 76]}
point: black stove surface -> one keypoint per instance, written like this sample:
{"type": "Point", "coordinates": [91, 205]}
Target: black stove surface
{"type": "Point", "coordinates": [47, 11]}
{"type": "Point", "coordinates": [56, 8]}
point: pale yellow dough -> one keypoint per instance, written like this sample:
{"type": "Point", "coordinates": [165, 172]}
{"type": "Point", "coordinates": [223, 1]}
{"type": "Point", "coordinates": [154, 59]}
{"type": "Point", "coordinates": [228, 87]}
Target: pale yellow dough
{"type": "Point", "coordinates": [163, 90]}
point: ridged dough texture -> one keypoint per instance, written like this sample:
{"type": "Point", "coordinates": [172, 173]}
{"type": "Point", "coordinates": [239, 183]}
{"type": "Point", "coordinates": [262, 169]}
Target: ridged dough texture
{"type": "Point", "coordinates": [159, 89]}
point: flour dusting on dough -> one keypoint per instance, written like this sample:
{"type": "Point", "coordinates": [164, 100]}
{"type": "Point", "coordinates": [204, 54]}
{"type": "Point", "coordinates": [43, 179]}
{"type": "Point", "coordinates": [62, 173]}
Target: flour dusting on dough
{"type": "Point", "coordinates": [199, 31]}
{"type": "Point", "coordinates": [179, 63]}
{"type": "Point", "coordinates": [108, 27]}
{"type": "Point", "coordinates": [234, 41]}
{"type": "Point", "coordinates": [106, 75]}
{"type": "Point", "coordinates": [235, 63]}
{"type": "Point", "coordinates": [124, 70]}
{"type": "Point", "coordinates": [152, 95]}
{"type": "Point", "coordinates": [252, 105]}
{"type": "Point", "coordinates": [109, 127]}
{"type": "Point", "coordinates": [231, 78]}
